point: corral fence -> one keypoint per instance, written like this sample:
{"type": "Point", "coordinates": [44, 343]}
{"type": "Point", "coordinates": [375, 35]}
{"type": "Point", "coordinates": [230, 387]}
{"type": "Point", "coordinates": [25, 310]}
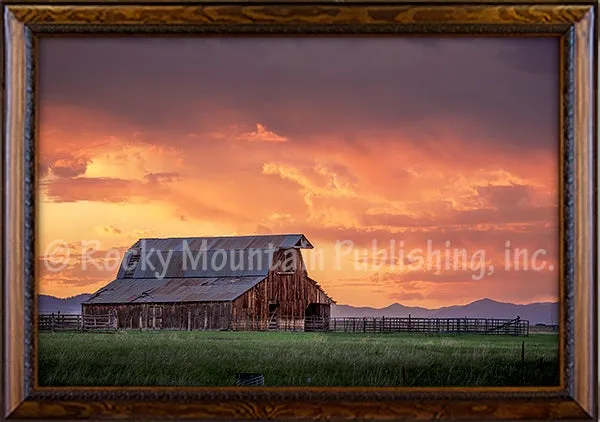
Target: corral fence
{"type": "Point", "coordinates": [514, 327]}
{"type": "Point", "coordinates": [491, 326]}
{"type": "Point", "coordinates": [75, 322]}
{"type": "Point", "coordinates": [544, 328]}
{"type": "Point", "coordinates": [280, 324]}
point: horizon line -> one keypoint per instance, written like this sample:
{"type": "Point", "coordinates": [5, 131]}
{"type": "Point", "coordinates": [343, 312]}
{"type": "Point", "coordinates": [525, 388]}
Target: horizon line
{"type": "Point", "coordinates": [372, 307]}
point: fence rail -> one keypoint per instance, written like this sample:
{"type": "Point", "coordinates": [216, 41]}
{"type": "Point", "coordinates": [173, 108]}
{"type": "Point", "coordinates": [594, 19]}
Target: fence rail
{"type": "Point", "coordinates": [490, 326]}
{"type": "Point", "coordinates": [516, 326]}
{"type": "Point", "coordinates": [75, 322]}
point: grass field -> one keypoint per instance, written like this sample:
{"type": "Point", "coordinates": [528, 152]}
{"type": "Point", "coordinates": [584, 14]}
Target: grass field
{"type": "Point", "coordinates": [196, 358]}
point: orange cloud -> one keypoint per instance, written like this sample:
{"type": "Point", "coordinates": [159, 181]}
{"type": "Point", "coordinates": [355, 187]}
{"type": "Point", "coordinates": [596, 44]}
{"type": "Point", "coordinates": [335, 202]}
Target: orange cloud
{"type": "Point", "coordinates": [330, 188]}
{"type": "Point", "coordinates": [261, 134]}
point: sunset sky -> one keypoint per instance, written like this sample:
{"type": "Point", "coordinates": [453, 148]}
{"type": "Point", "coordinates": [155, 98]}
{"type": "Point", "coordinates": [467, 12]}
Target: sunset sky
{"type": "Point", "coordinates": [341, 139]}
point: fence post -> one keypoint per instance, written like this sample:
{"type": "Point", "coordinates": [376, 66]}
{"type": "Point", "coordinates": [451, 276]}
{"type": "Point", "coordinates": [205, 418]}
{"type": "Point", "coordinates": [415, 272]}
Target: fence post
{"type": "Point", "coordinates": [52, 322]}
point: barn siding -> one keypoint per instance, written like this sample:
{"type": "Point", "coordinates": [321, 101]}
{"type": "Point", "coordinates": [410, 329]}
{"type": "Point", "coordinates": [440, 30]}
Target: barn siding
{"type": "Point", "coordinates": [250, 308]}
{"type": "Point", "coordinates": [173, 316]}
{"type": "Point", "coordinates": [294, 292]}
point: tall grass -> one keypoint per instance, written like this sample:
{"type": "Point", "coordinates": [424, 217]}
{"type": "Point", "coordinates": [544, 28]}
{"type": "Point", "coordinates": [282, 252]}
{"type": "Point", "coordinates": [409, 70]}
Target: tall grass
{"type": "Point", "coordinates": [196, 358]}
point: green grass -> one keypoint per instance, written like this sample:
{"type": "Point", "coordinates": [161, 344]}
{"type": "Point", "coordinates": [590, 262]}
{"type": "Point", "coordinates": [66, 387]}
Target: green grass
{"type": "Point", "coordinates": [196, 358]}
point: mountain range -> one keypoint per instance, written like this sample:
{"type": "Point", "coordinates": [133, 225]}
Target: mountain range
{"type": "Point", "coordinates": [68, 305]}
{"type": "Point", "coordinates": [536, 313]}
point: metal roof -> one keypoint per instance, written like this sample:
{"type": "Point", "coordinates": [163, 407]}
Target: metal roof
{"type": "Point", "coordinates": [195, 269]}
{"type": "Point", "coordinates": [277, 241]}
{"type": "Point", "coordinates": [213, 263]}
{"type": "Point", "coordinates": [152, 290]}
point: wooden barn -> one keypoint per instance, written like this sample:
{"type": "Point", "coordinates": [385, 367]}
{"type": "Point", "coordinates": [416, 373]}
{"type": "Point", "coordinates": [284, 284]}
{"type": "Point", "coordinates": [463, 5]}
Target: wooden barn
{"type": "Point", "coordinates": [214, 283]}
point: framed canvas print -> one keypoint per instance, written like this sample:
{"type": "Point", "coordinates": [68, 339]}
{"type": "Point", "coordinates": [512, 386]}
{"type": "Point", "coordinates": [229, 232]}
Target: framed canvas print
{"type": "Point", "coordinates": [299, 210]}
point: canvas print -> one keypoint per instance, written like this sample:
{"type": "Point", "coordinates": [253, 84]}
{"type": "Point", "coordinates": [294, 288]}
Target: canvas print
{"type": "Point", "coordinates": [307, 212]}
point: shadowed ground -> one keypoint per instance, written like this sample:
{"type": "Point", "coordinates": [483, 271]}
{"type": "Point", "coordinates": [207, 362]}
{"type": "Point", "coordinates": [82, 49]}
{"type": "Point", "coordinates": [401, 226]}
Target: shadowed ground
{"type": "Point", "coordinates": [197, 358]}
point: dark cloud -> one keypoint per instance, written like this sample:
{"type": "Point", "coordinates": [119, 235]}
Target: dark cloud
{"type": "Point", "coordinates": [506, 213]}
{"type": "Point", "coordinates": [43, 168]}
{"type": "Point", "coordinates": [493, 239]}
{"type": "Point", "coordinates": [69, 167]}
{"type": "Point", "coordinates": [165, 177]}
{"type": "Point", "coordinates": [491, 90]}
{"type": "Point", "coordinates": [505, 196]}
{"type": "Point", "coordinates": [529, 58]}
{"type": "Point", "coordinates": [106, 189]}
{"type": "Point", "coordinates": [112, 230]}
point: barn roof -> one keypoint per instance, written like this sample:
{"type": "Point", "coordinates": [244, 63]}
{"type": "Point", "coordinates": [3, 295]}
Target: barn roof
{"type": "Point", "coordinates": [212, 263]}
{"type": "Point", "coordinates": [166, 290]}
{"type": "Point", "coordinates": [277, 241]}
{"type": "Point", "coordinates": [194, 269]}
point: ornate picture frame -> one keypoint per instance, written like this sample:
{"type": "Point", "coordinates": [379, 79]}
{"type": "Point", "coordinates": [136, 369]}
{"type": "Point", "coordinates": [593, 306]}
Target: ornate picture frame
{"type": "Point", "coordinates": [24, 22]}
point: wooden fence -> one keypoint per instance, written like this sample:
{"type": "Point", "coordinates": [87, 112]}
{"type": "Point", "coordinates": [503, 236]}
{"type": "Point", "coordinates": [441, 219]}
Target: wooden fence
{"type": "Point", "coordinates": [273, 324]}
{"type": "Point", "coordinates": [68, 322]}
{"type": "Point", "coordinates": [515, 327]}
{"type": "Point", "coordinates": [544, 328]}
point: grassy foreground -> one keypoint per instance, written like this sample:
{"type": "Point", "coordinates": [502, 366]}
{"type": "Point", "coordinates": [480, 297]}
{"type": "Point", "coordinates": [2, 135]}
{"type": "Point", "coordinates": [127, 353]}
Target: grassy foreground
{"type": "Point", "coordinates": [196, 358]}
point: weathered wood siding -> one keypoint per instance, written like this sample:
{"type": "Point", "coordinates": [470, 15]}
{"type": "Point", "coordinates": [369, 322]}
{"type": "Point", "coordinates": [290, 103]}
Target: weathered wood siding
{"type": "Point", "coordinates": [171, 316]}
{"type": "Point", "coordinates": [288, 285]}
{"type": "Point", "coordinates": [251, 306]}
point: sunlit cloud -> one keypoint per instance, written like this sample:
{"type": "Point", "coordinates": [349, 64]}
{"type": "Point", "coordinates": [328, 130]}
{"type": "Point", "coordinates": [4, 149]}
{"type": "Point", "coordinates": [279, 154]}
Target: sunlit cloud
{"type": "Point", "coordinates": [471, 160]}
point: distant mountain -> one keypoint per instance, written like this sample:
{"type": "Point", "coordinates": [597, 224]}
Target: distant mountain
{"type": "Point", "coordinates": [394, 310]}
{"type": "Point", "coordinates": [69, 305]}
{"type": "Point", "coordinates": [536, 313]}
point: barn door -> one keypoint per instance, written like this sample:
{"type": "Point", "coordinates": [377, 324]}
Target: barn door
{"type": "Point", "coordinates": [156, 317]}
{"type": "Point", "coordinates": [313, 317]}
{"type": "Point", "coordinates": [274, 314]}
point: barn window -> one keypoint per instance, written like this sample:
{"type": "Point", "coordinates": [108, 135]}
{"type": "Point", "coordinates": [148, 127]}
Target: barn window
{"type": "Point", "coordinates": [288, 262]}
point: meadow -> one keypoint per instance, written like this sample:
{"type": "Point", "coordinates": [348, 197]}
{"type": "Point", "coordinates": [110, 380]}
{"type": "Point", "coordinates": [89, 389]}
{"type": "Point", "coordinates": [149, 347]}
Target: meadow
{"type": "Point", "coordinates": [211, 358]}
